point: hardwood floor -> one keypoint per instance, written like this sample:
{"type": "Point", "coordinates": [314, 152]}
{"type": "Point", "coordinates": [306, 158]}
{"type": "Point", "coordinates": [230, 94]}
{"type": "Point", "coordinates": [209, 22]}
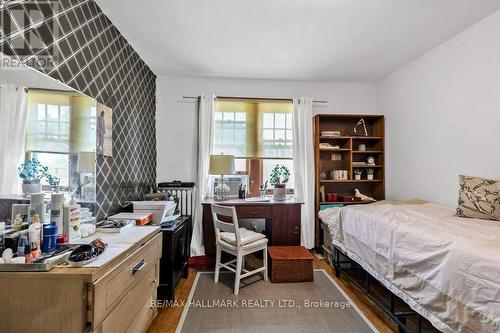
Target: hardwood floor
{"type": "Point", "coordinates": [168, 317]}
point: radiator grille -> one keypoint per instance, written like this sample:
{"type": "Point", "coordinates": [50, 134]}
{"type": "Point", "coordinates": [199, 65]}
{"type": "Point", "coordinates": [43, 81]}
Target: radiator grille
{"type": "Point", "coordinates": [185, 196]}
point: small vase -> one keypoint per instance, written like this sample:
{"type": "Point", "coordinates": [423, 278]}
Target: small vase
{"type": "Point", "coordinates": [29, 188]}
{"type": "Point", "coordinates": [369, 177]}
{"type": "Point", "coordinates": [279, 193]}
{"type": "Point", "coordinates": [357, 177]}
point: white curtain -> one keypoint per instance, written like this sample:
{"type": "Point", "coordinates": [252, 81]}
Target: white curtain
{"type": "Point", "coordinates": [303, 163]}
{"type": "Point", "coordinates": [14, 115]}
{"type": "Point", "coordinates": [206, 115]}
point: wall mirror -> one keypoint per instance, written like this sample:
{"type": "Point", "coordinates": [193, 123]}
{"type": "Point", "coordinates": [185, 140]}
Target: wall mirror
{"type": "Point", "coordinates": [47, 140]}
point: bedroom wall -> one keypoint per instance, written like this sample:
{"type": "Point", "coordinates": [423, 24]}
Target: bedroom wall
{"type": "Point", "coordinates": [176, 120]}
{"type": "Point", "coordinates": [74, 42]}
{"type": "Point", "coordinates": [443, 115]}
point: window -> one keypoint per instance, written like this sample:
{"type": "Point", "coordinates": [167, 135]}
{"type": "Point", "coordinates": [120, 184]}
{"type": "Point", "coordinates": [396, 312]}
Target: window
{"type": "Point", "coordinates": [60, 125]}
{"type": "Point", "coordinates": [258, 133]}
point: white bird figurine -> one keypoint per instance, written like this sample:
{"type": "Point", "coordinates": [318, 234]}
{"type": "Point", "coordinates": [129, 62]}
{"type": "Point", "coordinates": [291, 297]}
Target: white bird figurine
{"type": "Point", "coordinates": [363, 197]}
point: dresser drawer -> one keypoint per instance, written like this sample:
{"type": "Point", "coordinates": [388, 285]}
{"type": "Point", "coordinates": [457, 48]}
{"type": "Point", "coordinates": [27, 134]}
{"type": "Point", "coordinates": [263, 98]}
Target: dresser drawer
{"type": "Point", "coordinates": [254, 211]}
{"type": "Point", "coordinates": [136, 310]}
{"type": "Point", "coordinates": [110, 289]}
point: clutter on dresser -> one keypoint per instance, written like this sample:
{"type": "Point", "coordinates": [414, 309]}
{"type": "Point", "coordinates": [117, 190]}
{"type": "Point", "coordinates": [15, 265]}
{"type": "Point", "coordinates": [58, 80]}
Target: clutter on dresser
{"type": "Point", "coordinates": [114, 226]}
{"type": "Point", "coordinates": [162, 211]}
{"type": "Point", "coordinates": [87, 253]}
{"type": "Point", "coordinates": [12, 263]}
{"type": "Point", "coordinates": [142, 218]}
{"type": "Point", "coordinates": [35, 240]}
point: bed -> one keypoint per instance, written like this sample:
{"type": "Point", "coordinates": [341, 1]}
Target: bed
{"type": "Point", "coordinates": [444, 267]}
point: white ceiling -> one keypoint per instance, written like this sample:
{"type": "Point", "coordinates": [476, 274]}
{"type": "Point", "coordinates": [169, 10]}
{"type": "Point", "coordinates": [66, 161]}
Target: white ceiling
{"type": "Point", "coordinates": [320, 40]}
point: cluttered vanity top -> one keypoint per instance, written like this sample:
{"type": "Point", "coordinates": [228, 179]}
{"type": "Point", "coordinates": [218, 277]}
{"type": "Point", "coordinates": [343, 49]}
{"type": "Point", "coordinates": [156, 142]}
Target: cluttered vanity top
{"type": "Point", "coordinates": [119, 246]}
{"type": "Point", "coordinates": [62, 237]}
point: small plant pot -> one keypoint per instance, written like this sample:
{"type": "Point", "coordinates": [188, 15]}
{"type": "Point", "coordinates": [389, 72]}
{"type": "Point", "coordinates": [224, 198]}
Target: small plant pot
{"type": "Point", "coordinates": [357, 177]}
{"type": "Point", "coordinates": [29, 188]}
{"type": "Point", "coordinates": [369, 177]}
{"type": "Point", "coordinates": [279, 192]}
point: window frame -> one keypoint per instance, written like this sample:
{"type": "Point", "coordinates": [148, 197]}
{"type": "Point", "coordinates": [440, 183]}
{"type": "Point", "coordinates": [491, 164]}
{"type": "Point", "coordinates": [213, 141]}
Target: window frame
{"type": "Point", "coordinates": [254, 166]}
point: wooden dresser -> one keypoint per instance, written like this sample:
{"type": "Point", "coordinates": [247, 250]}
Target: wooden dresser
{"type": "Point", "coordinates": [116, 296]}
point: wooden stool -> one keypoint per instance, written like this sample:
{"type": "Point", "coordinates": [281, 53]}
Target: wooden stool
{"type": "Point", "coordinates": [290, 264]}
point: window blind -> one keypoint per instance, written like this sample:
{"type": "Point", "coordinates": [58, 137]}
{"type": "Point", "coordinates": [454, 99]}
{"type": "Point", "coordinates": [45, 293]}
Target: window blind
{"type": "Point", "coordinates": [253, 129]}
{"type": "Point", "coordinates": [60, 122]}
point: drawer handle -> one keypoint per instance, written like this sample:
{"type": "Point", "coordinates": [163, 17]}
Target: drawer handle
{"type": "Point", "coordinates": [254, 212]}
{"type": "Point", "coordinates": [138, 267]}
{"type": "Point", "coordinates": [296, 230]}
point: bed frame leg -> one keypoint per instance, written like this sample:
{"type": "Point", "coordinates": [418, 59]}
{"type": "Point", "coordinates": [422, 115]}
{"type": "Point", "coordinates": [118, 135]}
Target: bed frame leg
{"type": "Point", "coordinates": [336, 259]}
{"type": "Point", "coordinates": [419, 323]}
{"type": "Point", "coordinates": [401, 329]}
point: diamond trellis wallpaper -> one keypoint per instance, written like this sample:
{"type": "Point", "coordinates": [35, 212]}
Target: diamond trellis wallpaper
{"type": "Point", "coordinates": [74, 42]}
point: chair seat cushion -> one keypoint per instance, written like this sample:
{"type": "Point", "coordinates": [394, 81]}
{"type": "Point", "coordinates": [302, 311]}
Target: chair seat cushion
{"type": "Point", "coordinates": [247, 237]}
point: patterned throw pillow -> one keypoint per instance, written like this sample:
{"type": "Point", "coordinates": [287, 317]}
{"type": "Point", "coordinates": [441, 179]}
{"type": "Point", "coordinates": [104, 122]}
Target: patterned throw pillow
{"type": "Point", "coordinates": [479, 198]}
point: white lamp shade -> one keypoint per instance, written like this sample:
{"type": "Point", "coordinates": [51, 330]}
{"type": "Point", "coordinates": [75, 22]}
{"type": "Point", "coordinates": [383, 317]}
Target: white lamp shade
{"type": "Point", "coordinates": [221, 165]}
{"type": "Point", "coordinates": [86, 162]}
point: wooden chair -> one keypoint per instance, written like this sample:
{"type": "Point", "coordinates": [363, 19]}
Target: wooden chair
{"type": "Point", "coordinates": [237, 241]}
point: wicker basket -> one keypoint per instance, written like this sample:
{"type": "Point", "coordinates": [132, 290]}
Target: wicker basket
{"type": "Point", "coordinates": [290, 264]}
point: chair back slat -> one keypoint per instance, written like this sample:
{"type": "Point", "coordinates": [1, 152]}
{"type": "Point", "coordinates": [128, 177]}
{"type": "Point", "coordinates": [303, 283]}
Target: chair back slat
{"type": "Point", "coordinates": [219, 225]}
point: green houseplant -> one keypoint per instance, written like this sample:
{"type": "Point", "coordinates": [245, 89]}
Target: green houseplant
{"type": "Point", "coordinates": [357, 174]}
{"type": "Point", "coordinates": [369, 174]}
{"type": "Point", "coordinates": [31, 172]}
{"type": "Point", "coordinates": [279, 177]}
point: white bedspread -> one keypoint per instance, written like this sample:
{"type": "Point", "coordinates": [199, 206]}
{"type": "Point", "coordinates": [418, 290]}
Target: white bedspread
{"type": "Point", "coordinates": [445, 267]}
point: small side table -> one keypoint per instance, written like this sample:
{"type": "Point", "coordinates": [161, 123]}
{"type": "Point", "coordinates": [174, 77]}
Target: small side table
{"type": "Point", "coordinates": [290, 264]}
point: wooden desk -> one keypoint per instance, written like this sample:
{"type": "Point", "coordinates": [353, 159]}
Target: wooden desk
{"type": "Point", "coordinates": [282, 220]}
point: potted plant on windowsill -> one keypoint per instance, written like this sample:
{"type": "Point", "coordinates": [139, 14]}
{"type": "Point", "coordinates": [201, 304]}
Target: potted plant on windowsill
{"type": "Point", "coordinates": [279, 177]}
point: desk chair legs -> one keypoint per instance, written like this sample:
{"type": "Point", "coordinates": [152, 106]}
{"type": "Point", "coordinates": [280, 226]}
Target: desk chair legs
{"type": "Point", "coordinates": [217, 264]}
{"type": "Point", "coordinates": [238, 268]}
{"type": "Point", "coordinates": [237, 278]}
{"type": "Point", "coordinates": [265, 264]}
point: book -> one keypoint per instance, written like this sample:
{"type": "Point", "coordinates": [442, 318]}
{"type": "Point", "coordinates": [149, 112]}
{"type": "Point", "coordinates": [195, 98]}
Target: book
{"type": "Point", "coordinates": [139, 218]}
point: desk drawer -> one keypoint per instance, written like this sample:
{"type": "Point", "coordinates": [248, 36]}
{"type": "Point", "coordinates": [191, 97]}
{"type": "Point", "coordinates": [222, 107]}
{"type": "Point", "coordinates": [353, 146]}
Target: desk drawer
{"type": "Point", "coordinates": [254, 211]}
{"type": "Point", "coordinates": [111, 288]}
{"type": "Point", "coordinates": [136, 306]}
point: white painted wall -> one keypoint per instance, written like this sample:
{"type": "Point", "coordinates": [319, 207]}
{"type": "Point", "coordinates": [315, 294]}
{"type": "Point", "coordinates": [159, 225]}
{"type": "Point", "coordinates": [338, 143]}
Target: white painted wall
{"type": "Point", "coordinates": [177, 120]}
{"type": "Point", "coordinates": [443, 116]}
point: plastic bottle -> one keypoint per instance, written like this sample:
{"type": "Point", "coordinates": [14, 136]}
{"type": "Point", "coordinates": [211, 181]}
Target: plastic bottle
{"type": "Point", "coordinates": [23, 241]}
{"type": "Point", "coordinates": [28, 255]}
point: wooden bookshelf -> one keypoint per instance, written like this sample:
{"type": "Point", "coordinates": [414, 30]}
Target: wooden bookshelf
{"type": "Point", "coordinates": [348, 148]}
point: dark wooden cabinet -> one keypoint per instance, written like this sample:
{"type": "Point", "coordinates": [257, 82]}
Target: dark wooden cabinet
{"type": "Point", "coordinates": [282, 220]}
{"type": "Point", "coordinates": [175, 254]}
